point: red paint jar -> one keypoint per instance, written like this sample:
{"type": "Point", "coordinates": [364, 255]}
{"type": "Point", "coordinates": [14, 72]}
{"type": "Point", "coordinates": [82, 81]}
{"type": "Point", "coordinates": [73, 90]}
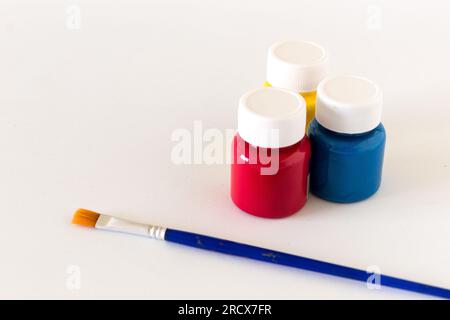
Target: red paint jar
{"type": "Point", "coordinates": [270, 167]}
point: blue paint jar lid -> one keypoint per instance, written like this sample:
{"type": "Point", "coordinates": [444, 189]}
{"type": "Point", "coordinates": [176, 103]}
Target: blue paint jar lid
{"type": "Point", "coordinates": [349, 104]}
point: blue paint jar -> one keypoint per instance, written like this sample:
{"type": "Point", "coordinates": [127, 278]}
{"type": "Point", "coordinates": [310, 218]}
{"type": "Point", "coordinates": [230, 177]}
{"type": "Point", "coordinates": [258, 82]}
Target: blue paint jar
{"type": "Point", "coordinates": [347, 140]}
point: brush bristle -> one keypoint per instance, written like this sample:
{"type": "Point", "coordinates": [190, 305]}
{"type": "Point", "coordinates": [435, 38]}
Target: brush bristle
{"type": "Point", "coordinates": [85, 218]}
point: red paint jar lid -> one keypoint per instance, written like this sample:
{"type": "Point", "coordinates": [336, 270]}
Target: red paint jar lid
{"type": "Point", "coordinates": [272, 117]}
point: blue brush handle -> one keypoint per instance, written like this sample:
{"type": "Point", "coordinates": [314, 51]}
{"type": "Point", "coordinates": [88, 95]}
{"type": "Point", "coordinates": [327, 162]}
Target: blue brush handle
{"type": "Point", "coordinates": [256, 253]}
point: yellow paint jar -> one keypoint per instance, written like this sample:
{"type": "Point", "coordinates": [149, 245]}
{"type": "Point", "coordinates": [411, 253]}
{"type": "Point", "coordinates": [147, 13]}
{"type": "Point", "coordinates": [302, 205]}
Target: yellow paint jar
{"type": "Point", "coordinates": [298, 66]}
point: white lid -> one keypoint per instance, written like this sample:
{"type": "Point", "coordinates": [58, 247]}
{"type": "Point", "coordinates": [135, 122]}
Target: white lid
{"type": "Point", "coordinates": [349, 104]}
{"type": "Point", "coordinates": [271, 117]}
{"type": "Point", "coordinates": [296, 65]}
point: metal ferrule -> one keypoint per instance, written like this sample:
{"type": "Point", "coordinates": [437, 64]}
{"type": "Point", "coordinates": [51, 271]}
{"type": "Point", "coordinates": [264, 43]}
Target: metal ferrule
{"type": "Point", "coordinates": [105, 222]}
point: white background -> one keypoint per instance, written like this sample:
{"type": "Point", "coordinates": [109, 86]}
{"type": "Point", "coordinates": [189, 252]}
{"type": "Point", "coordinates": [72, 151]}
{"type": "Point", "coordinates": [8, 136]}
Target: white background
{"type": "Point", "coordinates": [86, 117]}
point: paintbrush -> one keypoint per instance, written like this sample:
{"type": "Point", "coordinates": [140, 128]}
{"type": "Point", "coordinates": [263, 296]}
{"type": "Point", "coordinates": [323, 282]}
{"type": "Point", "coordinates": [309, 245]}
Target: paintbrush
{"type": "Point", "coordinates": [92, 219]}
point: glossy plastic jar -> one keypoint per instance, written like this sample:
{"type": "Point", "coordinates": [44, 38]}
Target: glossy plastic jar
{"type": "Point", "coordinates": [298, 66]}
{"type": "Point", "coordinates": [347, 140]}
{"type": "Point", "coordinates": [271, 154]}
